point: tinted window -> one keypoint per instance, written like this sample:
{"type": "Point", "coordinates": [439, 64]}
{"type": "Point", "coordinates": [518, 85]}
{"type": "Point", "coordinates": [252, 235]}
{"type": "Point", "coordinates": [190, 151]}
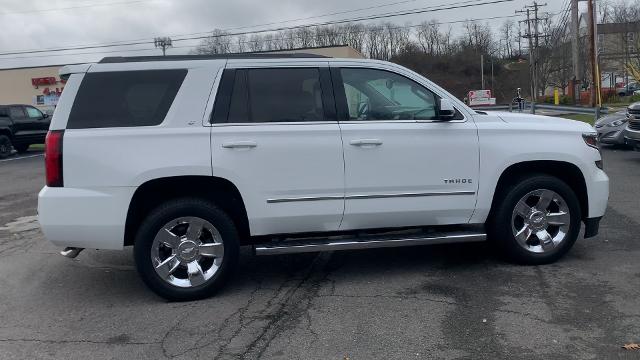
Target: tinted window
{"type": "Point", "coordinates": [16, 112]}
{"type": "Point", "coordinates": [276, 95]}
{"type": "Point", "coordinates": [238, 108]}
{"type": "Point", "coordinates": [33, 113]}
{"type": "Point", "coordinates": [382, 95]}
{"type": "Point", "coordinates": [3, 112]}
{"type": "Point", "coordinates": [125, 98]}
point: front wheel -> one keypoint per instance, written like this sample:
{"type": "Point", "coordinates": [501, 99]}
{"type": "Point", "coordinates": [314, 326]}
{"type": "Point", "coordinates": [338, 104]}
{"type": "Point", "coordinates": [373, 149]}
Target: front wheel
{"type": "Point", "coordinates": [536, 220]}
{"type": "Point", "coordinates": [186, 249]}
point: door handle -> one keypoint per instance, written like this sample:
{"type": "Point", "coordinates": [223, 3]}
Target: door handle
{"type": "Point", "coordinates": [366, 142]}
{"type": "Point", "coordinates": [239, 145]}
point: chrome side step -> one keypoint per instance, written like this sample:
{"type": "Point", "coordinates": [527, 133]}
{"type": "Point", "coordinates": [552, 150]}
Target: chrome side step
{"type": "Point", "coordinates": [396, 239]}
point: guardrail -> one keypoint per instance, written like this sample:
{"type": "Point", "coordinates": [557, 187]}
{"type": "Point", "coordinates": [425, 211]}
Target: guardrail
{"type": "Point", "coordinates": [560, 108]}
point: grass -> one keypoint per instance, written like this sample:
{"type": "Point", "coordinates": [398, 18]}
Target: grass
{"type": "Point", "coordinates": [36, 147]}
{"type": "Point", "coordinates": [587, 118]}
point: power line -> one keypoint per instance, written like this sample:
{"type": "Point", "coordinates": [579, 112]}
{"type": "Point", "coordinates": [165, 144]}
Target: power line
{"type": "Point", "coordinates": [341, 21]}
{"type": "Point", "coordinates": [250, 26]}
{"type": "Point", "coordinates": [341, 12]}
{"type": "Point", "coordinates": [74, 7]}
{"type": "Point", "coordinates": [253, 41]}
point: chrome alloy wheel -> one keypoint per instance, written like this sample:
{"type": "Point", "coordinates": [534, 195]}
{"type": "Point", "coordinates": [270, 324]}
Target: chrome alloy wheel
{"type": "Point", "coordinates": [541, 221]}
{"type": "Point", "coordinates": [187, 252]}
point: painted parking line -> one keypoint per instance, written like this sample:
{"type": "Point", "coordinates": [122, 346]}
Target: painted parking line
{"type": "Point", "coordinates": [22, 157]}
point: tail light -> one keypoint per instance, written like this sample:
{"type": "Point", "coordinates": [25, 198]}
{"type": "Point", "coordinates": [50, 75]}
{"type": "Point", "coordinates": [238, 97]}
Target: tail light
{"type": "Point", "coordinates": [53, 158]}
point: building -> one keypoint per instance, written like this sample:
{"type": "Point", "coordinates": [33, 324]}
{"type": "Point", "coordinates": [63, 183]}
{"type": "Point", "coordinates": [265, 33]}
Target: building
{"type": "Point", "coordinates": [41, 86]}
{"type": "Point", "coordinates": [618, 44]}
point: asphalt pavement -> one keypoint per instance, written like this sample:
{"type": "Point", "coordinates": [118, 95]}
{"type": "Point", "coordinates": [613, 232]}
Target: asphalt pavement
{"type": "Point", "coordinates": [433, 302]}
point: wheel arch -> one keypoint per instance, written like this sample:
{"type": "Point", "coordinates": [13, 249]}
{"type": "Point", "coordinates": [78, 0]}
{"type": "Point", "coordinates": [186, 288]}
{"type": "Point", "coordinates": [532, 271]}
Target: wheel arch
{"type": "Point", "coordinates": [216, 189]}
{"type": "Point", "coordinates": [7, 132]}
{"type": "Point", "coordinates": [565, 171]}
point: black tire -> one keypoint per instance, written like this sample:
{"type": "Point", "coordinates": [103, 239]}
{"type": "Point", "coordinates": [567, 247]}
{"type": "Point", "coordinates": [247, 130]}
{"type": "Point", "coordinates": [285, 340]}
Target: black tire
{"type": "Point", "coordinates": [499, 224]}
{"type": "Point", "coordinates": [5, 146]}
{"type": "Point", "coordinates": [185, 207]}
{"type": "Point", "coordinates": [21, 148]}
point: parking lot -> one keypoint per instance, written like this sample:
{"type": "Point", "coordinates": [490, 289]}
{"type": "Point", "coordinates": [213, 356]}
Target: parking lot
{"type": "Point", "coordinates": [440, 302]}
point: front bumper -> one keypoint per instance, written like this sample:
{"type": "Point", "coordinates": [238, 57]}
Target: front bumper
{"type": "Point", "coordinates": [611, 136]}
{"type": "Point", "coordinates": [632, 142]}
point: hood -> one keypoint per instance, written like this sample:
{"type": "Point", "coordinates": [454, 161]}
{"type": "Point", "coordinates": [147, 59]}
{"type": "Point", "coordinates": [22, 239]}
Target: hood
{"type": "Point", "coordinates": [542, 120]}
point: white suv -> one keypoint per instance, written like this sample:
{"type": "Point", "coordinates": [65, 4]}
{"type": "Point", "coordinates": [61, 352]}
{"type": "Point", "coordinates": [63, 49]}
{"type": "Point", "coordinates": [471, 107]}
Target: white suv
{"type": "Point", "coordinates": [188, 158]}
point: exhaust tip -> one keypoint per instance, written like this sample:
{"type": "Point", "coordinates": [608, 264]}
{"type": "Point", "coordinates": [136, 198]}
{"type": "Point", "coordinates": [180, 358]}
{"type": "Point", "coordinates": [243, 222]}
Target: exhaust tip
{"type": "Point", "coordinates": [71, 252]}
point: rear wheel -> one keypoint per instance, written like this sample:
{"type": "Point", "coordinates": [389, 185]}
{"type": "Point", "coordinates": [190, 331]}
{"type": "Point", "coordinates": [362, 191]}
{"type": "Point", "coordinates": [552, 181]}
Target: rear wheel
{"type": "Point", "coordinates": [536, 221]}
{"type": "Point", "coordinates": [21, 148]}
{"type": "Point", "coordinates": [5, 146]}
{"type": "Point", "coordinates": [186, 249]}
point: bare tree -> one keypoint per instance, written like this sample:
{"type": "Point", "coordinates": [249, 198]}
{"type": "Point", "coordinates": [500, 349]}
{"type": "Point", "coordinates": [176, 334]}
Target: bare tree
{"type": "Point", "coordinates": [218, 43]}
{"type": "Point", "coordinates": [507, 31]}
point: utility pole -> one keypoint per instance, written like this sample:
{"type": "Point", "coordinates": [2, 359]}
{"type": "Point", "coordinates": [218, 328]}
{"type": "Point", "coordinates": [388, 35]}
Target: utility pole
{"type": "Point", "coordinates": [592, 52]}
{"type": "Point", "coordinates": [482, 69]}
{"type": "Point", "coordinates": [164, 43]}
{"type": "Point", "coordinates": [575, 50]}
{"type": "Point", "coordinates": [533, 37]}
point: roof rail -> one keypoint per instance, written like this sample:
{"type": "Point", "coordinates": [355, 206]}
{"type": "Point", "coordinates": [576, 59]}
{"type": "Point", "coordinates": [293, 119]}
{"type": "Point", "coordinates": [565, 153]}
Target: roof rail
{"type": "Point", "coordinates": [125, 59]}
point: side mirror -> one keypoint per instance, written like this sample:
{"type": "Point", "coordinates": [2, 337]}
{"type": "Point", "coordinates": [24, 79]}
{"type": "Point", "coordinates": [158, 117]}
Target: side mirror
{"type": "Point", "coordinates": [44, 116]}
{"type": "Point", "coordinates": [446, 111]}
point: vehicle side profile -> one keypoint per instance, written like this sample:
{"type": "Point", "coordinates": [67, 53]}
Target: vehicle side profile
{"type": "Point", "coordinates": [197, 156]}
{"type": "Point", "coordinates": [21, 126]}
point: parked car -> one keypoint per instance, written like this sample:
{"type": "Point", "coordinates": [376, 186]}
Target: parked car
{"type": "Point", "coordinates": [611, 127]}
{"type": "Point", "coordinates": [21, 126]}
{"type": "Point", "coordinates": [628, 90]}
{"type": "Point", "coordinates": [632, 131]}
{"type": "Point", "coordinates": [196, 156]}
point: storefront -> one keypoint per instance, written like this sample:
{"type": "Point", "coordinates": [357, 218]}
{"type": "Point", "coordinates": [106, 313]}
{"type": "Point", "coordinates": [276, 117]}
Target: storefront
{"type": "Point", "coordinates": [37, 86]}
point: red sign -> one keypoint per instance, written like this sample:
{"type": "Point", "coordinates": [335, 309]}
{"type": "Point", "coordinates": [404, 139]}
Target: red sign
{"type": "Point", "coordinates": [43, 81]}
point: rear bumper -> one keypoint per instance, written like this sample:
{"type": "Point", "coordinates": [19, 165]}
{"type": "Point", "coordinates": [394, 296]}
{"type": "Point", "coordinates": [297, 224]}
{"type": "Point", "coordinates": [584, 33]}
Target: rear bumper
{"type": "Point", "coordinates": [84, 218]}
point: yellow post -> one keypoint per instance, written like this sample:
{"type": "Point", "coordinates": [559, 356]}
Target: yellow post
{"type": "Point", "coordinates": [556, 96]}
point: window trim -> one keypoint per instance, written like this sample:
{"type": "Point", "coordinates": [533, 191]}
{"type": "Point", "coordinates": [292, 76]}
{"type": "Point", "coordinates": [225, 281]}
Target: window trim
{"type": "Point", "coordinates": [343, 108]}
{"type": "Point", "coordinates": [220, 114]}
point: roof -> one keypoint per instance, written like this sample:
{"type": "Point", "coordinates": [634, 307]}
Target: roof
{"type": "Point", "coordinates": [123, 59]}
{"type": "Point", "coordinates": [615, 28]}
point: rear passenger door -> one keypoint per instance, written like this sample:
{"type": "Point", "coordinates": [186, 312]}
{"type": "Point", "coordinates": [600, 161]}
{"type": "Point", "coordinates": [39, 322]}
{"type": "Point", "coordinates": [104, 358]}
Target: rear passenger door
{"type": "Point", "coordinates": [275, 135]}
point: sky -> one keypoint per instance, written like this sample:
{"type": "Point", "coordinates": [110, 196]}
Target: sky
{"type": "Point", "coordinates": [27, 25]}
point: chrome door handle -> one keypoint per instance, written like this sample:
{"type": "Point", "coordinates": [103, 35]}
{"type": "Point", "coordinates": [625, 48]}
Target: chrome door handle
{"type": "Point", "coordinates": [366, 142]}
{"type": "Point", "coordinates": [239, 145]}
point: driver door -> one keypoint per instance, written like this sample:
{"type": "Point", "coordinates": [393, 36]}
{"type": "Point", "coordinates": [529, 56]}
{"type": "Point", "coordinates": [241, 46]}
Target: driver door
{"type": "Point", "coordinates": [403, 167]}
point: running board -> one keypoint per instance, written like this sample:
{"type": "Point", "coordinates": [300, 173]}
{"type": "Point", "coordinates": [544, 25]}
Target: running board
{"type": "Point", "coordinates": [368, 242]}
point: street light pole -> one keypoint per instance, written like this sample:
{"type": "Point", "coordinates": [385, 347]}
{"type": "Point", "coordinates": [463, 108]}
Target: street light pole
{"type": "Point", "coordinates": [482, 69]}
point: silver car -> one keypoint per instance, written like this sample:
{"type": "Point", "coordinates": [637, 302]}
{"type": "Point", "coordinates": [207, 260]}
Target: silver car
{"type": "Point", "coordinates": [610, 128]}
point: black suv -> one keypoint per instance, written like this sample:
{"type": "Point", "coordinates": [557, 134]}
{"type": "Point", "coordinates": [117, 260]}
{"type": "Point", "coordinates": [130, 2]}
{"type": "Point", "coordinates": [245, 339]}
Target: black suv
{"type": "Point", "coordinates": [21, 126]}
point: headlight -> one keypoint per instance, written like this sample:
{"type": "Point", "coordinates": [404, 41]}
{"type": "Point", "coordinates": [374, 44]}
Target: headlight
{"type": "Point", "coordinates": [617, 122]}
{"type": "Point", "coordinates": [591, 140]}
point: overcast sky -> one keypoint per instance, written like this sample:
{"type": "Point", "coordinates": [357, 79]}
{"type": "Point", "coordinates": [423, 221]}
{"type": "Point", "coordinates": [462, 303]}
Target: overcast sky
{"type": "Point", "coordinates": [45, 24]}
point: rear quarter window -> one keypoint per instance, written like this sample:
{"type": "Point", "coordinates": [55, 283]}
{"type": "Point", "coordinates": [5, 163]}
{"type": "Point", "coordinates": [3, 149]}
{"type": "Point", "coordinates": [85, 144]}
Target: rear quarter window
{"type": "Point", "coordinates": [124, 98]}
